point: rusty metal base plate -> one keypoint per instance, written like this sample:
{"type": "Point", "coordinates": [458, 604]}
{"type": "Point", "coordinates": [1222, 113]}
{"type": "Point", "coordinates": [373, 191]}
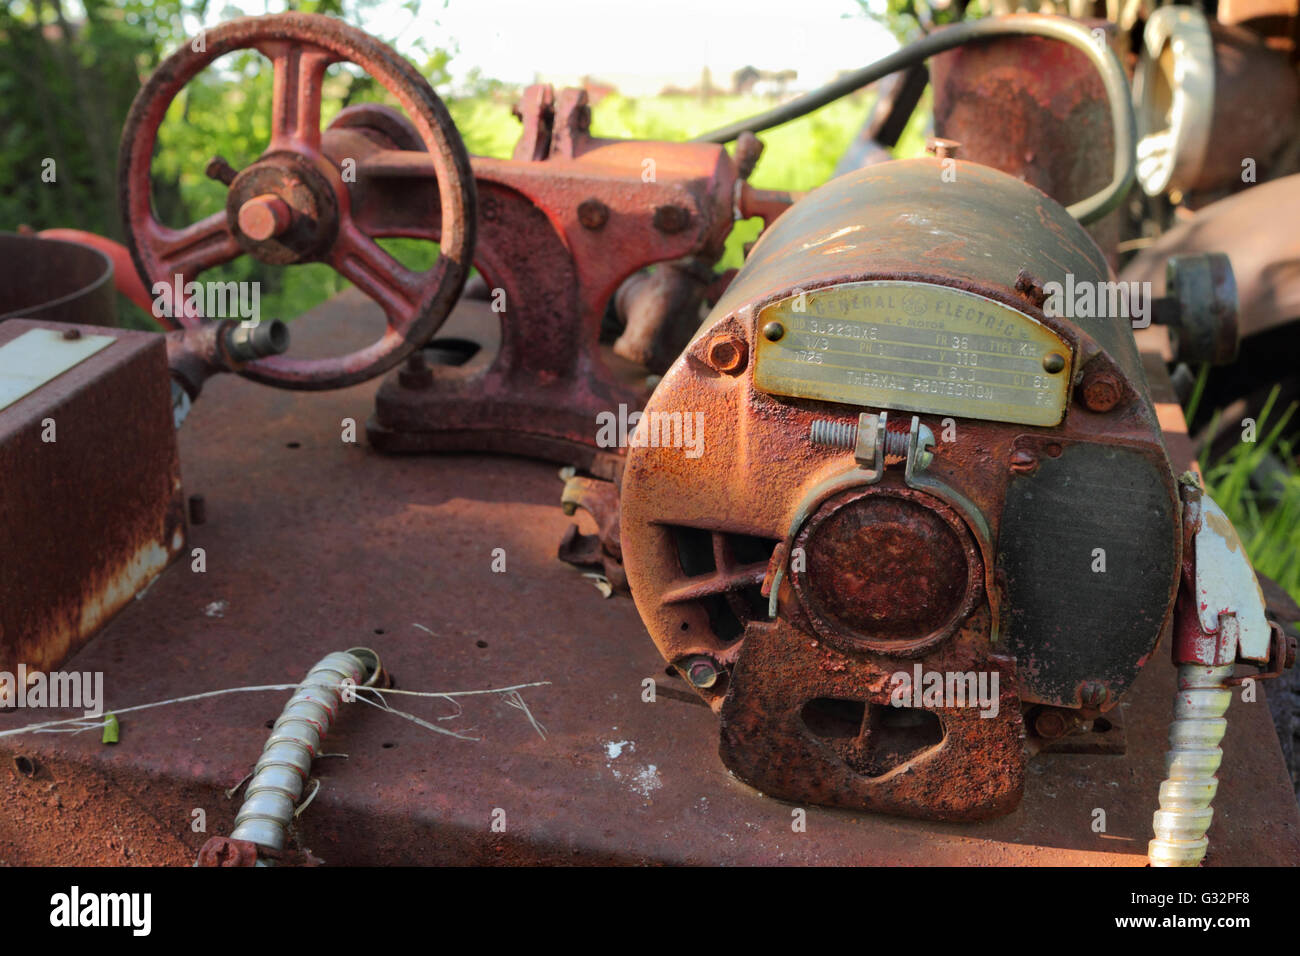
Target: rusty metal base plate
{"type": "Point", "coordinates": [313, 544]}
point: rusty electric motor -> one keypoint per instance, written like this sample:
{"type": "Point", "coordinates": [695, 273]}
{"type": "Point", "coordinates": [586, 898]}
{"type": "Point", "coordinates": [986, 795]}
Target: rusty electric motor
{"type": "Point", "coordinates": [926, 518]}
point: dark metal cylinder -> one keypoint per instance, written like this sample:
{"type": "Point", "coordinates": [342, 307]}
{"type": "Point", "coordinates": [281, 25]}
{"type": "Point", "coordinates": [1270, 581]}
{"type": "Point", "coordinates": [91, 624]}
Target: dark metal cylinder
{"type": "Point", "coordinates": [55, 281]}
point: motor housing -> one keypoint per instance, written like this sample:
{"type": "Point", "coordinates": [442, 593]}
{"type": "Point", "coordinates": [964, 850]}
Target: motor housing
{"type": "Point", "coordinates": [907, 461]}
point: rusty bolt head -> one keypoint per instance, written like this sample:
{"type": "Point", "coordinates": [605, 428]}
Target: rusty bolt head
{"type": "Point", "coordinates": [701, 671]}
{"type": "Point", "coordinates": [1053, 363]}
{"type": "Point", "coordinates": [1092, 693]}
{"type": "Point", "coordinates": [415, 374]}
{"type": "Point", "coordinates": [1023, 462]}
{"type": "Point", "coordinates": [1050, 723]}
{"type": "Point", "coordinates": [748, 149]}
{"type": "Point", "coordinates": [671, 218]}
{"type": "Point", "coordinates": [220, 170]}
{"type": "Point", "coordinates": [1031, 288]}
{"type": "Point", "coordinates": [264, 217]}
{"type": "Point", "coordinates": [773, 331]}
{"type": "Point", "coordinates": [593, 214]}
{"type": "Point", "coordinates": [941, 148]}
{"type": "Point", "coordinates": [727, 353]}
{"type": "Point", "coordinates": [1101, 391]}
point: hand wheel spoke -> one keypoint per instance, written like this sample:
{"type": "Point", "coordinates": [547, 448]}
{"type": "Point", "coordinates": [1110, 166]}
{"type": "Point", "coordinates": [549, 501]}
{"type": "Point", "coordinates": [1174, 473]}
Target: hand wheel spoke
{"type": "Point", "coordinates": [295, 102]}
{"type": "Point", "coordinates": [199, 246]}
{"type": "Point", "coordinates": [186, 253]}
{"type": "Point", "coordinates": [363, 262]}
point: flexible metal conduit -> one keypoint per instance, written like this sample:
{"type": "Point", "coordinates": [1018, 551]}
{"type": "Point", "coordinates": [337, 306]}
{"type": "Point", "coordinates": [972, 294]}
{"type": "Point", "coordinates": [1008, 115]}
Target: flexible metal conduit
{"type": "Point", "coordinates": [285, 764]}
{"type": "Point", "coordinates": [1066, 31]}
{"type": "Point", "coordinates": [1193, 760]}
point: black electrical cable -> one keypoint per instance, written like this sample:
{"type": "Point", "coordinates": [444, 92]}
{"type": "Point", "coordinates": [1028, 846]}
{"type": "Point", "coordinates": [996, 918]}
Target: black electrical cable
{"type": "Point", "coordinates": [1021, 24]}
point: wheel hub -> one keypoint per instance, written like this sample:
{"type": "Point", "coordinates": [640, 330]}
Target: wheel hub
{"type": "Point", "coordinates": [282, 210]}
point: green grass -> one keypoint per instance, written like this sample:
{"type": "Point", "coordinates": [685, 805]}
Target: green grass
{"type": "Point", "coordinates": [1268, 521]}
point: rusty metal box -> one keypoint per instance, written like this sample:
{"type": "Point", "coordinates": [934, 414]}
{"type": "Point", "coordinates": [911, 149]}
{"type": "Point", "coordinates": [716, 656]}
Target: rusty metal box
{"type": "Point", "coordinates": [90, 491]}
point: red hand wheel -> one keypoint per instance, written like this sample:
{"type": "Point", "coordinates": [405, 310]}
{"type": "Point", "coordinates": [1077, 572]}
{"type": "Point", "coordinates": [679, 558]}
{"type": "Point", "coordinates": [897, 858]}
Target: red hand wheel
{"type": "Point", "coordinates": [292, 205]}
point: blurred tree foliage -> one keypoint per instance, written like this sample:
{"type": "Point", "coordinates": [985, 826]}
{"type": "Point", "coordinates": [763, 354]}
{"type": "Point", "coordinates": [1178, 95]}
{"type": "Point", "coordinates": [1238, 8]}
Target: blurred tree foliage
{"type": "Point", "coordinates": [66, 90]}
{"type": "Point", "coordinates": [908, 19]}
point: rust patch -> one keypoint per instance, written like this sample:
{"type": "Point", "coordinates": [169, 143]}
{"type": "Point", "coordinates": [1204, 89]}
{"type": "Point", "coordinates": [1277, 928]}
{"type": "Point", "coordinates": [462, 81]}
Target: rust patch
{"type": "Point", "coordinates": [94, 515]}
{"type": "Point", "coordinates": [1225, 530]}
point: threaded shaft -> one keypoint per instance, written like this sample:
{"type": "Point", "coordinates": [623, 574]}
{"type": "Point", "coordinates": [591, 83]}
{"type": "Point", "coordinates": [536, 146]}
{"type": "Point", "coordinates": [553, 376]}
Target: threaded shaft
{"type": "Point", "coordinates": [896, 443]}
{"type": "Point", "coordinates": [1192, 762]}
{"type": "Point", "coordinates": [836, 434]}
{"type": "Point", "coordinates": [286, 759]}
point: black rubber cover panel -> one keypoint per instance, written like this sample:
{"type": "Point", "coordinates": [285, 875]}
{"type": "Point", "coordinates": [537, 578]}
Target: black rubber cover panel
{"type": "Point", "coordinates": [1095, 506]}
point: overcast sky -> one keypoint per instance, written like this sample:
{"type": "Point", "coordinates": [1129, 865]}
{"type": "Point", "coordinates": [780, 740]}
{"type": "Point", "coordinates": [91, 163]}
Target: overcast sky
{"type": "Point", "coordinates": [516, 40]}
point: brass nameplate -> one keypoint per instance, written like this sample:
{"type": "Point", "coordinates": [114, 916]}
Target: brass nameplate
{"type": "Point", "coordinates": [914, 347]}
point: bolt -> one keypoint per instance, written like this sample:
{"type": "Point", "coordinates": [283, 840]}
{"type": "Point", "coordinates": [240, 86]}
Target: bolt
{"type": "Point", "coordinates": [1101, 391]}
{"type": "Point", "coordinates": [727, 353]}
{"type": "Point", "coordinates": [1092, 693]}
{"type": "Point", "coordinates": [941, 148]}
{"type": "Point", "coordinates": [671, 218]}
{"type": "Point", "coordinates": [774, 331]}
{"type": "Point", "coordinates": [220, 170]}
{"type": "Point", "coordinates": [592, 213]}
{"type": "Point", "coordinates": [198, 509]}
{"type": "Point", "coordinates": [1023, 462]}
{"type": "Point", "coordinates": [72, 335]}
{"type": "Point", "coordinates": [1053, 362]}
{"type": "Point", "coordinates": [264, 217]}
{"type": "Point", "coordinates": [701, 671]}
{"type": "Point", "coordinates": [1050, 724]}
{"type": "Point", "coordinates": [415, 374]}
{"type": "Point", "coordinates": [748, 149]}
{"type": "Point", "coordinates": [832, 433]}
{"type": "Point", "coordinates": [825, 431]}
{"type": "Point", "coordinates": [1030, 287]}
